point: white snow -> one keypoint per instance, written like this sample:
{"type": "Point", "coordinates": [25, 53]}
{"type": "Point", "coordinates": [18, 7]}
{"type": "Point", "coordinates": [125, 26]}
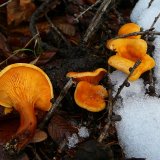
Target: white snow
{"type": "Point", "coordinates": [157, 59]}
{"type": "Point", "coordinates": [140, 7]}
{"type": "Point", "coordinates": [135, 88]}
{"type": "Point", "coordinates": [139, 129]}
{"type": "Point", "coordinates": [72, 140]}
{"type": "Point", "coordinates": [83, 132]}
{"type": "Point", "coordinates": [147, 18]}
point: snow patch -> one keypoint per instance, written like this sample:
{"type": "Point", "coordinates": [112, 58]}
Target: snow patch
{"type": "Point", "coordinates": [72, 140]}
{"type": "Point", "coordinates": [83, 132]}
{"type": "Point", "coordinates": [139, 129]}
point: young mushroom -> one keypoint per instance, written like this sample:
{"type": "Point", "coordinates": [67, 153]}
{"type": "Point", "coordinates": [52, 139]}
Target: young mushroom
{"type": "Point", "coordinates": [88, 94]}
{"type": "Point", "coordinates": [91, 77]}
{"type": "Point", "coordinates": [90, 97]}
{"type": "Point", "coordinates": [24, 87]}
{"type": "Point", "coordinates": [128, 51]}
{"type": "Point", "coordinates": [130, 28]}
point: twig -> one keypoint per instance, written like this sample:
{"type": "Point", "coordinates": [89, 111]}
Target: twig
{"type": "Point", "coordinates": [36, 156]}
{"type": "Point", "coordinates": [17, 51]}
{"type": "Point", "coordinates": [95, 22]}
{"type": "Point", "coordinates": [110, 110]}
{"type": "Point", "coordinates": [56, 30]}
{"type": "Point", "coordinates": [2, 5]}
{"type": "Point", "coordinates": [152, 90]}
{"type": "Point", "coordinates": [150, 3]}
{"type": "Point", "coordinates": [43, 9]}
{"type": "Point", "coordinates": [89, 8]}
{"type": "Point", "coordinates": [112, 101]}
{"type": "Point", "coordinates": [146, 32]}
{"type": "Point", "coordinates": [138, 62]}
{"type": "Point", "coordinates": [155, 20]}
{"type": "Point", "coordinates": [56, 103]}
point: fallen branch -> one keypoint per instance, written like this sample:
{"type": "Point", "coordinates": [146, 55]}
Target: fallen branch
{"type": "Point", "coordinates": [112, 101]}
{"type": "Point", "coordinates": [150, 3]}
{"type": "Point", "coordinates": [138, 62]}
{"type": "Point", "coordinates": [155, 20]}
{"type": "Point", "coordinates": [151, 89]}
{"type": "Point", "coordinates": [146, 32]}
{"type": "Point", "coordinates": [110, 110]}
{"type": "Point", "coordinates": [95, 22]}
{"type": "Point", "coordinates": [56, 104]}
{"type": "Point", "coordinates": [57, 31]}
{"type": "Point", "coordinates": [89, 8]}
{"type": "Point", "coordinates": [42, 10]}
{"type": "Point", "coordinates": [5, 3]}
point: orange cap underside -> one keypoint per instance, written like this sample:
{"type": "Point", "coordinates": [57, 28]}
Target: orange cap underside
{"type": "Point", "coordinates": [91, 77]}
{"type": "Point", "coordinates": [20, 83]}
{"type": "Point", "coordinates": [90, 97]}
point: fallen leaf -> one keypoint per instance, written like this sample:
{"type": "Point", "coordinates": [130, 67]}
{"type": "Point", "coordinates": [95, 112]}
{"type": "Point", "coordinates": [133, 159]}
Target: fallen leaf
{"type": "Point", "coordinates": [6, 51]}
{"type": "Point", "coordinates": [59, 128]}
{"type": "Point", "coordinates": [45, 57]}
{"type": "Point", "coordinates": [19, 10]}
{"type": "Point", "coordinates": [66, 28]}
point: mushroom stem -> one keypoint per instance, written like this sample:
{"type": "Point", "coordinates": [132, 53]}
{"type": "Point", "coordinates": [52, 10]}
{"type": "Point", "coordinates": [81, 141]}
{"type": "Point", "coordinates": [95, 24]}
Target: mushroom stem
{"type": "Point", "coordinates": [26, 129]}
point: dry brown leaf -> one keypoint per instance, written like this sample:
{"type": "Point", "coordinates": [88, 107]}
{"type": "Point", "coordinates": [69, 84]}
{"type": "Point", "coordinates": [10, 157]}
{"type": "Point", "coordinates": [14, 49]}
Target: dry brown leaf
{"type": "Point", "coordinates": [67, 28]}
{"type": "Point", "coordinates": [62, 23]}
{"type": "Point", "coordinates": [59, 128]}
{"type": "Point", "coordinates": [65, 25]}
{"type": "Point", "coordinates": [19, 10]}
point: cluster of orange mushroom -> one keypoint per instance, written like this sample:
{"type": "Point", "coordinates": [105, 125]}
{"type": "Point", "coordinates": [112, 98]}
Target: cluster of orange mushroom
{"type": "Point", "coordinates": [24, 87]}
{"type": "Point", "coordinates": [128, 51]}
{"type": "Point", "coordinates": [88, 94]}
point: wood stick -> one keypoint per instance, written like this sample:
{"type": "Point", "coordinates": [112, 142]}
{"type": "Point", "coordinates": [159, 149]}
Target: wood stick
{"type": "Point", "coordinates": [95, 22]}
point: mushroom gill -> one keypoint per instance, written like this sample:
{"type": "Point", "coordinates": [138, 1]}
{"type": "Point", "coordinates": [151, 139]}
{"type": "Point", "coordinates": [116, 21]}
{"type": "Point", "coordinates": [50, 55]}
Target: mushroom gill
{"type": "Point", "coordinates": [24, 87]}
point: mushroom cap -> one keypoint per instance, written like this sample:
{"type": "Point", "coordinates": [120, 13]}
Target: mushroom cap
{"type": "Point", "coordinates": [91, 77]}
{"type": "Point", "coordinates": [130, 28]}
{"type": "Point", "coordinates": [22, 83]}
{"type": "Point", "coordinates": [90, 97]}
{"type": "Point", "coordinates": [132, 49]}
{"type": "Point", "coordinates": [124, 65]}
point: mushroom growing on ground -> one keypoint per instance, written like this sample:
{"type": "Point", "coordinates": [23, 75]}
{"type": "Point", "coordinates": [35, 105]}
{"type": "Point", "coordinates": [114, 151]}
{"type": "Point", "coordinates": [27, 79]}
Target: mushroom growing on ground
{"type": "Point", "coordinates": [128, 51]}
{"type": "Point", "coordinates": [91, 77]}
{"type": "Point", "coordinates": [88, 94]}
{"type": "Point", "coordinates": [130, 28]}
{"type": "Point", "coordinates": [24, 87]}
{"type": "Point", "coordinates": [90, 97]}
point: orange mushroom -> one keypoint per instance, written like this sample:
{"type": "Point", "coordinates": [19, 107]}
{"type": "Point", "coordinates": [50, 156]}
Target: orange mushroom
{"type": "Point", "coordinates": [24, 87]}
{"type": "Point", "coordinates": [128, 52]}
{"type": "Point", "coordinates": [91, 77]}
{"type": "Point", "coordinates": [130, 28]}
{"type": "Point", "coordinates": [90, 97]}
